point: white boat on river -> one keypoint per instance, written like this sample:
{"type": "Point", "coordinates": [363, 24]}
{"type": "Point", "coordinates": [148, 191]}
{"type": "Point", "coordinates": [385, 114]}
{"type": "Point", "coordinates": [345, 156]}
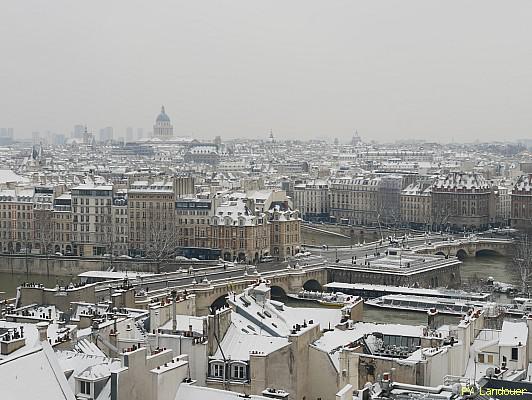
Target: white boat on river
{"type": "Point", "coordinates": [338, 300]}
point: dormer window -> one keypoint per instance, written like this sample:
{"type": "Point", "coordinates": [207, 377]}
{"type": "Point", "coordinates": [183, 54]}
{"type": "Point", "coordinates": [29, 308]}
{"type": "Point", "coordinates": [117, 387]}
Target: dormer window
{"type": "Point", "coordinates": [238, 371]}
{"type": "Point", "coordinates": [85, 387]}
{"type": "Point", "coordinates": [217, 370]}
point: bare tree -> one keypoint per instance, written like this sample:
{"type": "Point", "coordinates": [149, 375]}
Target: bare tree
{"type": "Point", "coordinates": [110, 245]}
{"type": "Point", "coordinates": [441, 215]}
{"type": "Point", "coordinates": [427, 221]}
{"type": "Point", "coordinates": [521, 262]}
{"type": "Point", "coordinates": [162, 243]}
{"type": "Point", "coordinates": [44, 234]}
{"type": "Point", "coordinates": [379, 216]}
{"type": "Point", "coordinates": [387, 216]}
{"type": "Point", "coordinates": [44, 230]}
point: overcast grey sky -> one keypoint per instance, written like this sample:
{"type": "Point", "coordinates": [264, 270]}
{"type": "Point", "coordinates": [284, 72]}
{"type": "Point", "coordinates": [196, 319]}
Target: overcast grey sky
{"type": "Point", "coordinates": [391, 69]}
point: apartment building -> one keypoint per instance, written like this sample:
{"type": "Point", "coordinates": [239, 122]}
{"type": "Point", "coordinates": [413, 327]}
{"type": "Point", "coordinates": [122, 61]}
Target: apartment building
{"type": "Point", "coordinates": [16, 220]}
{"type": "Point", "coordinates": [148, 219]}
{"type": "Point", "coordinates": [389, 199]}
{"type": "Point", "coordinates": [521, 203]}
{"type": "Point", "coordinates": [416, 205]}
{"type": "Point", "coordinates": [312, 200]}
{"type": "Point", "coordinates": [193, 221]}
{"type": "Point", "coordinates": [503, 210]}
{"type": "Point", "coordinates": [119, 211]}
{"type": "Point", "coordinates": [151, 206]}
{"type": "Point", "coordinates": [238, 232]}
{"type": "Point", "coordinates": [285, 231]}
{"type": "Point", "coordinates": [92, 219]}
{"type": "Point", "coordinates": [462, 201]}
{"type": "Point", "coordinates": [62, 239]}
{"type": "Point", "coordinates": [43, 219]}
{"type": "Point", "coordinates": [354, 200]}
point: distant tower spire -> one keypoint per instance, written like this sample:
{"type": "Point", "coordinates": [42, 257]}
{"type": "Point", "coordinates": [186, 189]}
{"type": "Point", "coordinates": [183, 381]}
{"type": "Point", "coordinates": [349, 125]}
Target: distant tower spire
{"type": "Point", "coordinates": [272, 139]}
{"type": "Point", "coordinates": [162, 110]}
{"type": "Point", "coordinates": [356, 139]}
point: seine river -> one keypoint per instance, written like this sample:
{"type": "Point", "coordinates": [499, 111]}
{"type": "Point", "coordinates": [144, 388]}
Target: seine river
{"type": "Point", "coordinates": [472, 269]}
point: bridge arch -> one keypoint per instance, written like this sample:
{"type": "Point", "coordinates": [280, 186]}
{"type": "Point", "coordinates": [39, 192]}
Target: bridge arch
{"type": "Point", "coordinates": [277, 291]}
{"type": "Point", "coordinates": [461, 254]}
{"type": "Point", "coordinates": [440, 253]}
{"type": "Point", "coordinates": [219, 302]}
{"type": "Point", "coordinates": [487, 252]}
{"type": "Point", "coordinates": [313, 285]}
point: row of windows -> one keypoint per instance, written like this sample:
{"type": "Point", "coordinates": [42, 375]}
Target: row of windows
{"type": "Point", "coordinates": [19, 207]}
{"type": "Point", "coordinates": [96, 210]}
{"type": "Point", "coordinates": [237, 371]}
{"type": "Point", "coordinates": [193, 212]}
{"type": "Point", "coordinates": [152, 216]}
{"type": "Point", "coordinates": [18, 225]}
{"type": "Point", "coordinates": [87, 218]}
{"type": "Point", "coordinates": [191, 221]}
{"type": "Point", "coordinates": [158, 205]}
{"type": "Point", "coordinates": [18, 215]}
{"type": "Point", "coordinates": [18, 235]}
{"type": "Point", "coordinates": [88, 202]}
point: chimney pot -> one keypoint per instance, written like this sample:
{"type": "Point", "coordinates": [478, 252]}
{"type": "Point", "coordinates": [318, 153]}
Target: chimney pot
{"type": "Point", "coordinates": [42, 328]}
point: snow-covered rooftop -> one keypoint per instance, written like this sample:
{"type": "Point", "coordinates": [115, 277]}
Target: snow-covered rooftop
{"type": "Point", "coordinates": [513, 333]}
{"type": "Point", "coordinates": [237, 345]}
{"type": "Point", "coordinates": [333, 341]}
{"type": "Point", "coordinates": [189, 392]}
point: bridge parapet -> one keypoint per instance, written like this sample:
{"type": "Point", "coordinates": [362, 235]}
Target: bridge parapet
{"type": "Point", "coordinates": [462, 248]}
{"type": "Point", "coordinates": [290, 281]}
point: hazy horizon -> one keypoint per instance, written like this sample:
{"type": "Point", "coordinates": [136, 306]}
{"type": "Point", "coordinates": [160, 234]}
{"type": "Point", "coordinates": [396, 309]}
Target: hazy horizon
{"type": "Point", "coordinates": [438, 70]}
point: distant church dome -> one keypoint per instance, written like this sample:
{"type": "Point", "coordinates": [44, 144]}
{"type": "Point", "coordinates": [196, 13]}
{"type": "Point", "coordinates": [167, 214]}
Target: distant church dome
{"type": "Point", "coordinates": [163, 129]}
{"type": "Point", "coordinates": [162, 117]}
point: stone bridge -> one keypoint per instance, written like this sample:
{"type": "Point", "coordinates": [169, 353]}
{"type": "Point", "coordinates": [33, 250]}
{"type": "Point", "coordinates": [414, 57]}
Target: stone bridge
{"type": "Point", "coordinates": [213, 294]}
{"type": "Point", "coordinates": [465, 247]}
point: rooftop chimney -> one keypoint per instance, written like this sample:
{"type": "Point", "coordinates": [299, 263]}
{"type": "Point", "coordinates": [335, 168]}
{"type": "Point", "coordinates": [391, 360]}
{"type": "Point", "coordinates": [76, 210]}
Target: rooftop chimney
{"type": "Point", "coordinates": [432, 313]}
{"type": "Point", "coordinates": [174, 316]}
{"type": "Point", "coordinates": [42, 328]}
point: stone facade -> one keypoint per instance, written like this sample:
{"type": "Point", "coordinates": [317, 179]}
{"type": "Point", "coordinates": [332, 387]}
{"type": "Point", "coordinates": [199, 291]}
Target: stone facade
{"type": "Point", "coordinates": [239, 233]}
{"type": "Point", "coordinates": [312, 200]}
{"type": "Point", "coordinates": [354, 201]}
{"type": "Point", "coordinates": [416, 206]}
{"type": "Point", "coordinates": [151, 206]}
{"type": "Point", "coordinates": [92, 219]}
{"type": "Point", "coordinates": [521, 199]}
{"type": "Point", "coordinates": [462, 201]}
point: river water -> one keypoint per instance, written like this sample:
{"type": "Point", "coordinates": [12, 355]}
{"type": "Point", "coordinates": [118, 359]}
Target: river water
{"type": "Point", "coordinates": [471, 270]}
